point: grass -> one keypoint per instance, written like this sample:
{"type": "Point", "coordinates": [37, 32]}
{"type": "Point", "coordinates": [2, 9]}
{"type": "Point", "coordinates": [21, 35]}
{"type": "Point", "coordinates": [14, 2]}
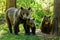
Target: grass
{"type": "Point", "coordinates": [5, 35]}
{"type": "Point", "coordinates": [18, 37]}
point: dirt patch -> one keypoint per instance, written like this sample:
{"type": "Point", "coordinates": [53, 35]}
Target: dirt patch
{"type": "Point", "coordinates": [46, 36]}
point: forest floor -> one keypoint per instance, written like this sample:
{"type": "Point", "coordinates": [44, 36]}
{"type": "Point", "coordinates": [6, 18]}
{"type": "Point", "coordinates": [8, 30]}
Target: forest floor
{"type": "Point", "coordinates": [46, 36]}
{"type": "Point", "coordinates": [5, 35]}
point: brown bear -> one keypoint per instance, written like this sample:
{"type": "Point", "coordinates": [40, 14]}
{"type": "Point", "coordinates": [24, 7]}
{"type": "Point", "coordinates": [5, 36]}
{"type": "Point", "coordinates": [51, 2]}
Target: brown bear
{"type": "Point", "coordinates": [46, 25]}
{"type": "Point", "coordinates": [15, 17]}
{"type": "Point", "coordinates": [30, 24]}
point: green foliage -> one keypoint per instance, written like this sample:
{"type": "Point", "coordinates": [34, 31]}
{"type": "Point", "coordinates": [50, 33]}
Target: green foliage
{"type": "Point", "coordinates": [19, 37]}
{"type": "Point", "coordinates": [2, 6]}
{"type": "Point", "coordinates": [40, 8]}
{"type": "Point", "coordinates": [5, 35]}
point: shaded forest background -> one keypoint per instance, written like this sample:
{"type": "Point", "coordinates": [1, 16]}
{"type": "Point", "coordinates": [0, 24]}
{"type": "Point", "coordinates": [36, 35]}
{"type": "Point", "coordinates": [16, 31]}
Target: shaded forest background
{"type": "Point", "coordinates": [40, 8]}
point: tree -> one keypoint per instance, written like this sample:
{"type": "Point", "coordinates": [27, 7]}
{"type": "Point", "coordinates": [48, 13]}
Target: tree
{"type": "Point", "coordinates": [10, 3]}
{"type": "Point", "coordinates": [56, 21]}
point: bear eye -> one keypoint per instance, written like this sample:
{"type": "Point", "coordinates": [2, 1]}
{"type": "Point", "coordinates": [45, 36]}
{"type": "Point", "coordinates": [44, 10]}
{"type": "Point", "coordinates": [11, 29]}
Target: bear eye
{"type": "Point", "coordinates": [31, 23]}
{"type": "Point", "coordinates": [27, 14]}
{"type": "Point", "coordinates": [23, 13]}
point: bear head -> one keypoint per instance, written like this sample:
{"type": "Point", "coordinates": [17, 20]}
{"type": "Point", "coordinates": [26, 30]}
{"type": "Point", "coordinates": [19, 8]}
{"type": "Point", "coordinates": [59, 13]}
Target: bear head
{"type": "Point", "coordinates": [46, 20]}
{"type": "Point", "coordinates": [24, 13]}
{"type": "Point", "coordinates": [30, 22]}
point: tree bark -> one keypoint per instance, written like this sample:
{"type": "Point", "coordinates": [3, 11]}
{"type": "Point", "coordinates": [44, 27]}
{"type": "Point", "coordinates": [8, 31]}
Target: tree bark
{"type": "Point", "coordinates": [10, 3]}
{"type": "Point", "coordinates": [56, 21]}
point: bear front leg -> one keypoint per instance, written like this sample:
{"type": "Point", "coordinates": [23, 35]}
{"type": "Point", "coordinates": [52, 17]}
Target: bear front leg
{"type": "Point", "coordinates": [33, 30]}
{"type": "Point", "coordinates": [28, 30]}
{"type": "Point", "coordinates": [16, 28]}
{"type": "Point", "coordinates": [25, 28]}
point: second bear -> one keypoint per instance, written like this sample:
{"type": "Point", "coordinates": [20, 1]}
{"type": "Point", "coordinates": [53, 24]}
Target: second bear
{"type": "Point", "coordinates": [46, 25]}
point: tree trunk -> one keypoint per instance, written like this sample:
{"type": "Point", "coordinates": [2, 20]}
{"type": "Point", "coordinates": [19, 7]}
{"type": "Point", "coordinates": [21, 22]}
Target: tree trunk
{"type": "Point", "coordinates": [10, 3]}
{"type": "Point", "coordinates": [56, 21]}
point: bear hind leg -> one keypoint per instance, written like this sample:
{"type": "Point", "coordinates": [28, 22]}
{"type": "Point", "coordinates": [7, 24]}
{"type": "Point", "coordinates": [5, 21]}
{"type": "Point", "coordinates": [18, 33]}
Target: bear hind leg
{"type": "Point", "coordinates": [9, 25]}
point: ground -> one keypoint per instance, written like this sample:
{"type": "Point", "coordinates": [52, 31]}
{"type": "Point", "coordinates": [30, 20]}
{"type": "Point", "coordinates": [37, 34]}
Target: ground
{"type": "Point", "coordinates": [5, 35]}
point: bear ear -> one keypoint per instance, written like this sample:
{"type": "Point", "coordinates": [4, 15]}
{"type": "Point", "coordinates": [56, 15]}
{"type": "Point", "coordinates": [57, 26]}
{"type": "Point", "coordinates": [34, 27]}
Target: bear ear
{"type": "Point", "coordinates": [49, 16]}
{"type": "Point", "coordinates": [22, 8]}
{"type": "Point", "coordinates": [33, 18]}
{"type": "Point", "coordinates": [29, 8]}
{"type": "Point", "coordinates": [28, 18]}
{"type": "Point", "coordinates": [45, 16]}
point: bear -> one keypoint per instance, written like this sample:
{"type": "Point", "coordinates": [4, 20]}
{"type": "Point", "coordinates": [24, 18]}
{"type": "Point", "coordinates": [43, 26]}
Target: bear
{"type": "Point", "coordinates": [30, 24]}
{"type": "Point", "coordinates": [16, 16]}
{"type": "Point", "coordinates": [46, 25]}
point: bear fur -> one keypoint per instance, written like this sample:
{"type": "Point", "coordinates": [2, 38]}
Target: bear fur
{"type": "Point", "coordinates": [30, 26]}
{"type": "Point", "coordinates": [16, 16]}
{"type": "Point", "coordinates": [46, 25]}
